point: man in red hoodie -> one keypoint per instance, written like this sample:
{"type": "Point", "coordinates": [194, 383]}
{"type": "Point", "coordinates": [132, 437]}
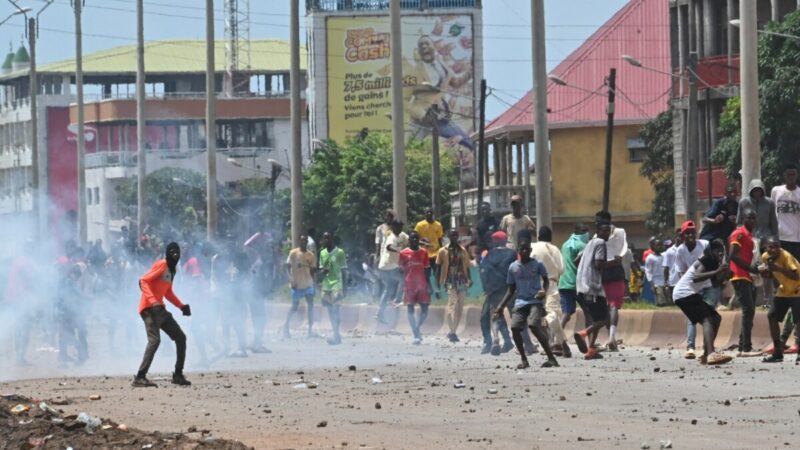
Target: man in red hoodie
{"type": "Point", "coordinates": [155, 285]}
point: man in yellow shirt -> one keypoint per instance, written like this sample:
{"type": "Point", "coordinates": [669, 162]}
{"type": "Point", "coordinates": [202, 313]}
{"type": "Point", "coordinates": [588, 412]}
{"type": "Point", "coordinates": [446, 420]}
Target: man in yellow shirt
{"type": "Point", "coordinates": [431, 233]}
{"type": "Point", "coordinates": [781, 265]}
{"type": "Point", "coordinates": [301, 265]}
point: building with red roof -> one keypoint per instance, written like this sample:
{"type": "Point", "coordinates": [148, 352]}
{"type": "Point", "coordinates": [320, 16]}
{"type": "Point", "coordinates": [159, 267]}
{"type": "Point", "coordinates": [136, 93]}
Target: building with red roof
{"type": "Point", "coordinates": [577, 116]}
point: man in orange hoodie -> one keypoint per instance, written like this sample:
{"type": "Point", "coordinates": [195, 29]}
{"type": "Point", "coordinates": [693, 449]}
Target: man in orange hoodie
{"type": "Point", "coordinates": [155, 285]}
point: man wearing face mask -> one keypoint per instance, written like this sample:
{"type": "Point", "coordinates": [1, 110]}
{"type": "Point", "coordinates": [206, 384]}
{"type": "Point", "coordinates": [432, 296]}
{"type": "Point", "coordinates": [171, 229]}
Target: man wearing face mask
{"type": "Point", "coordinates": [155, 285]}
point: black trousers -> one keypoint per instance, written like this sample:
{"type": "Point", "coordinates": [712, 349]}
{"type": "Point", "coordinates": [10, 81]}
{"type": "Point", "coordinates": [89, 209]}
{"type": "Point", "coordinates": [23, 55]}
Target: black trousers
{"type": "Point", "coordinates": [156, 319]}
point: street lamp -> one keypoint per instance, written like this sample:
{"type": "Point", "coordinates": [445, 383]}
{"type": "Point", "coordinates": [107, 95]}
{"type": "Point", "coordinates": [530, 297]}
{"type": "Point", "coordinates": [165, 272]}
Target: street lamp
{"type": "Point", "coordinates": [636, 63]}
{"type": "Point", "coordinates": [16, 13]}
{"type": "Point", "coordinates": [737, 23]}
{"type": "Point", "coordinates": [561, 82]}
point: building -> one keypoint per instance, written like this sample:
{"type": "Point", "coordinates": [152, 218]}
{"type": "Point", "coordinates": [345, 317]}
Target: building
{"type": "Point", "coordinates": [704, 27]}
{"type": "Point", "coordinates": [253, 130]}
{"type": "Point", "coordinates": [349, 65]}
{"type": "Point", "coordinates": [577, 116]}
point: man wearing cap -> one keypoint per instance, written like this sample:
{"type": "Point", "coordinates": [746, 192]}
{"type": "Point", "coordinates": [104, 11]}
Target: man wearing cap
{"type": "Point", "coordinates": [494, 270]}
{"type": "Point", "coordinates": [155, 285]}
{"type": "Point", "coordinates": [686, 254]}
{"type": "Point", "coordinates": [515, 222]}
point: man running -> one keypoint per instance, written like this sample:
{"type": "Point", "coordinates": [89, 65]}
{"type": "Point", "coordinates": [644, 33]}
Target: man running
{"type": "Point", "coordinates": [413, 262]}
{"type": "Point", "coordinates": [550, 256]}
{"type": "Point", "coordinates": [741, 251]}
{"type": "Point", "coordinates": [333, 266]}
{"type": "Point", "coordinates": [688, 297]}
{"type": "Point", "coordinates": [528, 283]}
{"type": "Point", "coordinates": [155, 285]}
{"type": "Point", "coordinates": [389, 267]}
{"type": "Point", "coordinates": [494, 272]}
{"type": "Point", "coordinates": [453, 262]}
{"type": "Point", "coordinates": [781, 265]}
{"type": "Point", "coordinates": [570, 251]}
{"type": "Point", "coordinates": [590, 286]}
{"type": "Point", "coordinates": [300, 266]}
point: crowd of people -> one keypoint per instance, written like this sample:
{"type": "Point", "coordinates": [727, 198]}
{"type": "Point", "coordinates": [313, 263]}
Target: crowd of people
{"type": "Point", "coordinates": [746, 253]}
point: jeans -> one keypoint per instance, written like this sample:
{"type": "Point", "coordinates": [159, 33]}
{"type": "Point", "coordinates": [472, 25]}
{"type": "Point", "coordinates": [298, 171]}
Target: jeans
{"type": "Point", "coordinates": [746, 296]}
{"type": "Point", "coordinates": [711, 296]}
{"type": "Point", "coordinates": [155, 319]}
{"type": "Point", "coordinates": [492, 328]}
{"type": "Point", "coordinates": [391, 280]}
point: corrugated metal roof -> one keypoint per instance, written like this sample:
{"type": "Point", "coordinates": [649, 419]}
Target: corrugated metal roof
{"type": "Point", "coordinates": [639, 29]}
{"type": "Point", "coordinates": [174, 56]}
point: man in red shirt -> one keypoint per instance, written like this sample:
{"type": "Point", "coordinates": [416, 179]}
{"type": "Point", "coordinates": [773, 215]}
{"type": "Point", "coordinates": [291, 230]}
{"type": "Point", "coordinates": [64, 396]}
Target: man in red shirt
{"type": "Point", "coordinates": [155, 285]}
{"type": "Point", "coordinates": [413, 262]}
{"type": "Point", "coordinates": [741, 264]}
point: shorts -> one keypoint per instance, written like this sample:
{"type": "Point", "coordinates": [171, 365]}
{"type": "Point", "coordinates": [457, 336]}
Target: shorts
{"type": "Point", "coordinates": [530, 315]}
{"type": "Point", "coordinates": [596, 306]}
{"type": "Point", "coordinates": [569, 300]}
{"type": "Point", "coordinates": [781, 305]}
{"type": "Point", "coordinates": [695, 309]}
{"type": "Point", "coordinates": [298, 294]}
{"type": "Point", "coordinates": [412, 296]}
{"type": "Point", "coordinates": [615, 293]}
{"type": "Point", "coordinates": [330, 298]}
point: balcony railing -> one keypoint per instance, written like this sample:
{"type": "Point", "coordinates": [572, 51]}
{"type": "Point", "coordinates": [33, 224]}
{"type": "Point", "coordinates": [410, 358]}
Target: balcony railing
{"type": "Point", "coordinates": [376, 5]}
{"type": "Point", "coordinates": [129, 159]}
{"type": "Point", "coordinates": [187, 95]}
{"type": "Point", "coordinates": [497, 196]}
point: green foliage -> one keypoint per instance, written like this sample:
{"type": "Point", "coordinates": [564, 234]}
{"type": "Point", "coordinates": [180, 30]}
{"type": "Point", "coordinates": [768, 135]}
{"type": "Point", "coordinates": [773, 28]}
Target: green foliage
{"type": "Point", "coordinates": [779, 106]}
{"type": "Point", "coordinates": [658, 168]}
{"type": "Point", "coordinates": [346, 188]}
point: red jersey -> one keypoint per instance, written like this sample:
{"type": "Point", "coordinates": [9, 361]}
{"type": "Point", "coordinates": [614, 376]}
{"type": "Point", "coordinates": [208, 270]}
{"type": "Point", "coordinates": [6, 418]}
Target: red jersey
{"type": "Point", "coordinates": [155, 285]}
{"type": "Point", "coordinates": [646, 253]}
{"type": "Point", "coordinates": [742, 238]}
{"type": "Point", "coordinates": [413, 264]}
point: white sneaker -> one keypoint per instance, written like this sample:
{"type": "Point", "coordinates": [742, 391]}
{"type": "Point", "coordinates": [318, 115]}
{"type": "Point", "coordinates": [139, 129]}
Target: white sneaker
{"type": "Point", "coordinates": [417, 341]}
{"type": "Point", "coordinates": [689, 354]}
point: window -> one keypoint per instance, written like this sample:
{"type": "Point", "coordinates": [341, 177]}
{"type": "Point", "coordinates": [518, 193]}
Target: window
{"type": "Point", "coordinates": [89, 196]}
{"type": "Point", "coordinates": [97, 195]}
{"type": "Point", "coordinates": [637, 150]}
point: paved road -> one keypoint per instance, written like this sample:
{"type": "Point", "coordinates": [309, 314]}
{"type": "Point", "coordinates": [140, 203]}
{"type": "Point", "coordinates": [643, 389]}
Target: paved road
{"type": "Point", "coordinates": [637, 396]}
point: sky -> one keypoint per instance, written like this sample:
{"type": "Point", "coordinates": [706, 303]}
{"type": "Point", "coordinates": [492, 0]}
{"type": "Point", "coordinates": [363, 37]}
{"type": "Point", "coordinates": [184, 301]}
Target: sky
{"type": "Point", "coordinates": [507, 33]}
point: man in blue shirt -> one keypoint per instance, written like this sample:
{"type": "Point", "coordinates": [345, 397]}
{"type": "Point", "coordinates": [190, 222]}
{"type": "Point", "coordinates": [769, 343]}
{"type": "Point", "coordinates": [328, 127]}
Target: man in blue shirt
{"type": "Point", "coordinates": [527, 284]}
{"type": "Point", "coordinates": [494, 272]}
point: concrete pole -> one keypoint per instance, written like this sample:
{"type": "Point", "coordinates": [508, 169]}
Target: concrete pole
{"type": "Point", "coordinates": [682, 45]}
{"type": "Point", "coordinates": [731, 38]}
{"type": "Point", "coordinates": [211, 126]}
{"type": "Point", "coordinates": [748, 44]}
{"type": "Point", "coordinates": [692, 141]}
{"type": "Point", "coordinates": [398, 128]}
{"type": "Point", "coordinates": [436, 183]}
{"type": "Point", "coordinates": [527, 180]}
{"type": "Point", "coordinates": [34, 89]}
{"type": "Point", "coordinates": [297, 155]}
{"type": "Point", "coordinates": [141, 166]}
{"type": "Point", "coordinates": [82, 221]}
{"type": "Point", "coordinates": [540, 129]}
{"type": "Point", "coordinates": [776, 11]}
{"type": "Point", "coordinates": [710, 20]}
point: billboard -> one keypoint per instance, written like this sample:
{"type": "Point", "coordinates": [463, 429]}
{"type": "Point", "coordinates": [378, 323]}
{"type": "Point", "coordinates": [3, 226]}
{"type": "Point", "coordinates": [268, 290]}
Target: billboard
{"type": "Point", "coordinates": [438, 81]}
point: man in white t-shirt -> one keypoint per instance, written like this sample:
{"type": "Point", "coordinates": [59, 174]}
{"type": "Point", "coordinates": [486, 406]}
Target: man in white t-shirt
{"type": "Point", "coordinates": [389, 267]}
{"type": "Point", "coordinates": [686, 254]}
{"type": "Point", "coordinates": [654, 272]}
{"type": "Point", "coordinates": [381, 231]}
{"type": "Point", "coordinates": [787, 207]}
{"type": "Point", "coordinates": [670, 271]}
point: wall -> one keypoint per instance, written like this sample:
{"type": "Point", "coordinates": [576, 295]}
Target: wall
{"type": "Point", "coordinates": [578, 162]}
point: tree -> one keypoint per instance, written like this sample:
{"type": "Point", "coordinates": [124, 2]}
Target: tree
{"type": "Point", "coordinates": [346, 188]}
{"type": "Point", "coordinates": [779, 106]}
{"type": "Point", "coordinates": [658, 168]}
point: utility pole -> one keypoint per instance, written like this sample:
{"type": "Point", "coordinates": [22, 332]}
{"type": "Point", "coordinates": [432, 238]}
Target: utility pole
{"type": "Point", "coordinates": [436, 182]}
{"type": "Point", "coordinates": [540, 129]}
{"type": "Point", "coordinates": [34, 88]}
{"type": "Point", "coordinates": [141, 160]}
{"type": "Point", "coordinates": [612, 86]}
{"type": "Point", "coordinates": [482, 150]}
{"type": "Point", "coordinates": [81, 138]}
{"type": "Point", "coordinates": [692, 140]}
{"type": "Point", "coordinates": [748, 53]}
{"type": "Point", "coordinates": [398, 128]}
{"type": "Point", "coordinates": [295, 82]}
{"type": "Point", "coordinates": [211, 127]}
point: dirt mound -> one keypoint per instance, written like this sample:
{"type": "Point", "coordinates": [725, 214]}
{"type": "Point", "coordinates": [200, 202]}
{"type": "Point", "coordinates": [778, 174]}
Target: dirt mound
{"type": "Point", "coordinates": [29, 424]}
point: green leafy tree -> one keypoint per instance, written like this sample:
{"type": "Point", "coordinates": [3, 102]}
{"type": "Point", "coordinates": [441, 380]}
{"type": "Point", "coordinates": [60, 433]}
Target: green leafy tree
{"type": "Point", "coordinates": [346, 187]}
{"type": "Point", "coordinates": [658, 168]}
{"type": "Point", "coordinates": [779, 106]}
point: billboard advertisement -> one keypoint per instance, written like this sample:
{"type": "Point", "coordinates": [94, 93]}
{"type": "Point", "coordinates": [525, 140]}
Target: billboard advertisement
{"type": "Point", "coordinates": [438, 80]}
